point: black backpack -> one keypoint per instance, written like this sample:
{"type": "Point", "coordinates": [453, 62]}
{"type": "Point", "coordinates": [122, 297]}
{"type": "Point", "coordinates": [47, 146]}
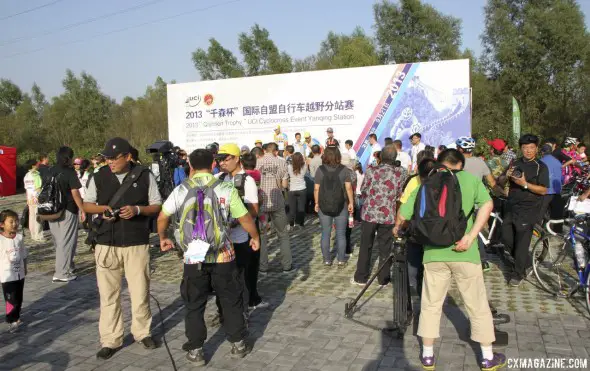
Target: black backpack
{"type": "Point", "coordinates": [52, 199]}
{"type": "Point", "coordinates": [439, 219]}
{"type": "Point", "coordinates": [331, 195]}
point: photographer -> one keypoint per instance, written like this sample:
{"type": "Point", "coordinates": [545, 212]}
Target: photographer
{"type": "Point", "coordinates": [124, 195]}
{"type": "Point", "coordinates": [529, 180]}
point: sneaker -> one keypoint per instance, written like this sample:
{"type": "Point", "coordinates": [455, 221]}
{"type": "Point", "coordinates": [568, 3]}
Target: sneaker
{"type": "Point", "coordinates": [290, 270]}
{"type": "Point", "coordinates": [12, 327]}
{"type": "Point", "coordinates": [197, 357]}
{"type": "Point", "coordinates": [515, 281]}
{"type": "Point", "coordinates": [341, 265]}
{"type": "Point", "coordinates": [353, 282]}
{"type": "Point", "coordinates": [239, 349]}
{"type": "Point", "coordinates": [69, 277]}
{"type": "Point", "coordinates": [148, 343]}
{"type": "Point", "coordinates": [385, 285]}
{"type": "Point", "coordinates": [261, 305]}
{"type": "Point", "coordinates": [494, 364]}
{"type": "Point", "coordinates": [105, 353]}
{"type": "Point", "coordinates": [485, 266]}
{"type": "Point", "coordinates": [427, 363]}
{"type": "Point", "coordinates": [327, 264]}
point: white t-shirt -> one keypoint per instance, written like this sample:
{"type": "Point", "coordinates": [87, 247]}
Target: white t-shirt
{"type": "Point", "coordinates": [238, 234]}
{"type": "Point", "coordinates": [297, 181]}
{"type": "Point", "coordinates": [359, 182]}
{"type": "Point", "coordinates": [12, 256]}
{"type": "Point", "coordinates": [414, 152]}
{"type": "Point", "coordinates": [352, 154]}
{"type": "Point", "coordinates": [374, 148]}
{"type": "Point", "coordinates": [404, 159]}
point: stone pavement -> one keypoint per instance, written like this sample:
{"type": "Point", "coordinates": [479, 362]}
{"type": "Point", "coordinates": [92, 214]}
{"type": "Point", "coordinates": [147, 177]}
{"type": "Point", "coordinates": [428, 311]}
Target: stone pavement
{"type": "Point", "coordinates": [304, 329]}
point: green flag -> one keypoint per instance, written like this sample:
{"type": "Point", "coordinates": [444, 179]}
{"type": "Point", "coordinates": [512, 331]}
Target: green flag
{"type": "Point", "coordinates": [515, 119]}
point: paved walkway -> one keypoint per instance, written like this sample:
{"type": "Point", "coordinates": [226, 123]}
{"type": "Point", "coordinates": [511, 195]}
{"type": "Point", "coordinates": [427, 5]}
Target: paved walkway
{"type": "Point", "coordinates": [304, 329]}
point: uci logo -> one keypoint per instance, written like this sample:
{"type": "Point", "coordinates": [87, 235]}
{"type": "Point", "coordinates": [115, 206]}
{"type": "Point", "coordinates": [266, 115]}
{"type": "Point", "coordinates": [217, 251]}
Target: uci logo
{"type": "Point", "coordinates": [193, 101]}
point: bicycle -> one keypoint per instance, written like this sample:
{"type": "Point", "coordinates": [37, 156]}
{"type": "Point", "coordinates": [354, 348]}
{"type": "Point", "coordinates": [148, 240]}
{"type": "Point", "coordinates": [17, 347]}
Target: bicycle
{"type": "Point", "coordinates": [551, 269]}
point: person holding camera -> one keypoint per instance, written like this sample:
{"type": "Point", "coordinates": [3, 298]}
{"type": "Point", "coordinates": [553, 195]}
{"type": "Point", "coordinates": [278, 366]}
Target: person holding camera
{"type": "Point", "coordinates": [124, 196]}
{"type": "Point", "coordinates": [529, 180]}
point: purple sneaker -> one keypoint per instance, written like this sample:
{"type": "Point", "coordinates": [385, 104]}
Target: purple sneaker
{"type": "Point", "coordinates": [494, 364]}
{"type": "Point", "coordinates": [427, 363]}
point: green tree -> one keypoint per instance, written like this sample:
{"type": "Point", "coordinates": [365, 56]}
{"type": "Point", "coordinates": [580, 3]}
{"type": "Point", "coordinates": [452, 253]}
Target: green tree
{"type": "Point", "coordinates": [415, 32]}
{"type": "Point", "coordinates": [343, 51]}
{"type": "Point", "coordinates": [216, 62]}
{"type": "Point", "coordinates": [537, 51]}
{"type": "Point", "coordinates": [261, 55]}
{"type": "Point", "coordinates": [10, 97]}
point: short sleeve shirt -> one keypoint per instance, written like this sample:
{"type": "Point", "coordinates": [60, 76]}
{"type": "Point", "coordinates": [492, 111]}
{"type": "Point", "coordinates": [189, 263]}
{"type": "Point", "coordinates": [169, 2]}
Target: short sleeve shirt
{"type": "Point", "coordinates": [473, 194]}
{"type": "Point", "coordinates": [154, 196]}
{"type": "Point", "coordinates": [273, 171]}
{"type": "Point", "coordinates": [523, 202]}
{"type": "Point", "coordinates": [381, 189]}
{"type": "Point", "coordinates": [477, 167]}
{"type": "Point", "coordinates": [344, 177]}
{"type": "Point", "coordinates": [12, 258]}
{"type": "Point", "coordinates": [68, 181]}
{"type": "Point", "coordinates": [174, 204]}
{"type": "Point", "coordinates": [238, 234]}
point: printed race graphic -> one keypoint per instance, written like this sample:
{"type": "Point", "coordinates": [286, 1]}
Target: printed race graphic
{"type": "Point", "coordinates": [431, 98]}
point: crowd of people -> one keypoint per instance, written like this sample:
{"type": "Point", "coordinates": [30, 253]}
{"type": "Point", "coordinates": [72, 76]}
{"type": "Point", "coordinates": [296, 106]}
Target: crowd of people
{"type": "Point", "coordinates": [228, 198]}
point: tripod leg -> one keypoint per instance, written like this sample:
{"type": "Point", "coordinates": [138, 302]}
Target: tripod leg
{"type": "Point", "coordinates": [349, 308]}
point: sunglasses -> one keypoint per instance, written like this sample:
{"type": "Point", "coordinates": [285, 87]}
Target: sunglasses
{"type": "Point", "coordinates": [223, 158]}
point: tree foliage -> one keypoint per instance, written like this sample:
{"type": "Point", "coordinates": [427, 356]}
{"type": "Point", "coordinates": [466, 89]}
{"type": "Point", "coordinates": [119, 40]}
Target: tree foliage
{"type": "Point", "coordinates": [415, 32]}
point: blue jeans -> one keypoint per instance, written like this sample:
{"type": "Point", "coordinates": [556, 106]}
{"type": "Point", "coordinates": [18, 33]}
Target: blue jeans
{"type": "Point", "coordinates": [341, 222]}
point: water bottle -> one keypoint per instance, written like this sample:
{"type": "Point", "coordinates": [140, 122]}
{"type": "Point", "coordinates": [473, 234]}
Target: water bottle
{"type": "Point", "coordinates": [350, 221]}
{"type": "Point", "coordinates": [580, 255]}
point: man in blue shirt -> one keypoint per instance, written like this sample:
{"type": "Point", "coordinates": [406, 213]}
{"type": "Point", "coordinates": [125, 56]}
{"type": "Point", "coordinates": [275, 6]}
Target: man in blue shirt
{"type": "Point", "coordinates": [552, 200]}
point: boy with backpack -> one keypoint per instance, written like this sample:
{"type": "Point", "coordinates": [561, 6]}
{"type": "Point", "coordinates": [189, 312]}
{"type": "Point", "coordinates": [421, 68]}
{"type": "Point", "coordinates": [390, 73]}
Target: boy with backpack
{"type": "Point", "coordinates": [441, 211]}
{"type": "Point", "coordinates": [203, 204]}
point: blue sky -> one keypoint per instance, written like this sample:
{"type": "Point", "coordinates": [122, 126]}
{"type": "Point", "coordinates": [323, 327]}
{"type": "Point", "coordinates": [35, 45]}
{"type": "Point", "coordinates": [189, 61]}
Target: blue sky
{"type": "Point", "coordinates": [125, 63]}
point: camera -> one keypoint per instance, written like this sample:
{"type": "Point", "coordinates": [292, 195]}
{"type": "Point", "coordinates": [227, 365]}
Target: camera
{"type": "Point", "coordinates": [517, 172]}
{"type": "Point", "coordinates": [112, 214]}
{"type": "Point", "coordinates": [165, 160]}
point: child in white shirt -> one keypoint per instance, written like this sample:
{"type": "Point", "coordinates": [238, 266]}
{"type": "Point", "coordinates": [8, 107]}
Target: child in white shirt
{"type": "Point", "coordinates": [13, 267]}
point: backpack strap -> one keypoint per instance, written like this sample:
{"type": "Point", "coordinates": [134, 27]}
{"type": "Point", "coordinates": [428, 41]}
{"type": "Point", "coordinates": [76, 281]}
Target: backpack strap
{"type": "Point", "coordinates": [132, 176]}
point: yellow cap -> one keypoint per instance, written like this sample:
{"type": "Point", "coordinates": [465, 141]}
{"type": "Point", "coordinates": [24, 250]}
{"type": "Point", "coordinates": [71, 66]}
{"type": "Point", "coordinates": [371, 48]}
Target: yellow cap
{"type": "Point", "coordinates": [278, 127]}
{"type": "Point", "coordinates": [306, 134]}
{"type": "Point", "coordinates": [229, 149]}
{"type": "Point", "coordinates": [257, 141]}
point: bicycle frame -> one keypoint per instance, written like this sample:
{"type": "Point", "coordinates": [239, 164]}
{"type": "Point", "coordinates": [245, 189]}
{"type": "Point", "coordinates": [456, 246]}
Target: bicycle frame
{"type": "Point", "coordinates": [582, 273]}
{"type": "Point", "coordinates": [496, 217]}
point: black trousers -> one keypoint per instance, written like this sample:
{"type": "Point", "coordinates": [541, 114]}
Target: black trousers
{"type": "Point", "coordinates": [348, 240]}
{"type": "Point", "coordinates": [554, 207]}
{"type": "Point", "coordinates": [384, 238]}
{"type": "Point", "coordinates": [195, 289]}
{"type": "Point", "coordinates": [13, 295]}
{"type": "Point", "coordinates": [517, 232]}
{"type": "Point", "coordinates": [297, 201]}
{"type": "Point", "coordinates": [247, 262]}
{"type": "Point", "coordinates": [415, 256]}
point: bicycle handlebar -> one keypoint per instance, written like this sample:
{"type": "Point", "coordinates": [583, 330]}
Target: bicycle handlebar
{"type": "Point", "coordinates": [576, 219]}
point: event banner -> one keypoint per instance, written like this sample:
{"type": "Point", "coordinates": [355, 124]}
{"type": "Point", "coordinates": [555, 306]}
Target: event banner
{"type": "Point", "coordinates": [430, 98]}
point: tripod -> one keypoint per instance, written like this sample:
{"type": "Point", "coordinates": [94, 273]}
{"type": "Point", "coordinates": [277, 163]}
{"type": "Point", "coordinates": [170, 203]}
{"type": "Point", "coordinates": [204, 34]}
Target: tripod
{"type": "Point", "coordinates": [402, 300]}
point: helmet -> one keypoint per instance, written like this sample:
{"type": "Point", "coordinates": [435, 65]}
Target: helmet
{"type": "Point", "coordinates": [569, 141]}
{"type": "Point", "coordinates": [466, 143]}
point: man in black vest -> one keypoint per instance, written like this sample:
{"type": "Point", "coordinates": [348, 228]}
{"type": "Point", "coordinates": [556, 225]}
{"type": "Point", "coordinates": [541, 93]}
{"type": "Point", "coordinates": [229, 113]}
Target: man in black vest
{"type": "Point", "coordinates": [125, 196]}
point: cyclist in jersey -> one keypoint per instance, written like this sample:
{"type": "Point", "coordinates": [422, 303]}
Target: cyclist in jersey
{"type": "Point", "coordinates": [331, 141]}
{"type": "Point", "coordinates": [280, 139]}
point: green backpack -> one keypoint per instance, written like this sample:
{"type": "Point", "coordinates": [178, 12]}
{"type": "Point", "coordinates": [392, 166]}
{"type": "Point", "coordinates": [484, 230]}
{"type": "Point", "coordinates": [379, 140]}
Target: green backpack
{"type": "Point", "coordinates": [205, 216]}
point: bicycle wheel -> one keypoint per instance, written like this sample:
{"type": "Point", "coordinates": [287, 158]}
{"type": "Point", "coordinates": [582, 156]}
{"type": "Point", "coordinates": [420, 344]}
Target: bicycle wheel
{"type": "Point", "coordinates": [553, 264]}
